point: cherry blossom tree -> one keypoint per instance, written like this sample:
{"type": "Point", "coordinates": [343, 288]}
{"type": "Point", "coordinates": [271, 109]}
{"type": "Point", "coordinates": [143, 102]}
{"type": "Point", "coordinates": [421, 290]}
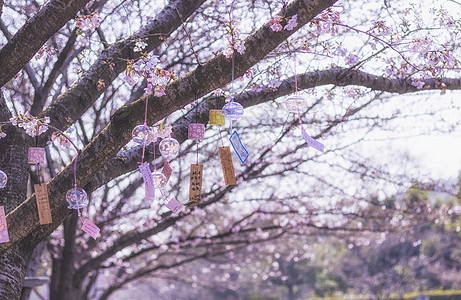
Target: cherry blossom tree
{"type": "Point", "coordinates": [86, 73]}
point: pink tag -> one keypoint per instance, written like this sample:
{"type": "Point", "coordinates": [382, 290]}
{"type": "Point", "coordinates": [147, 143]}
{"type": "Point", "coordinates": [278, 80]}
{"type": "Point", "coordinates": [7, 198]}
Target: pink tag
{"type": "Point", "coordinates": [148, 180]}
{"type": "Point", "coordinates": [196, 131]}
{"type": "Point", "coordinates": [90, 228]}
{"type": "Point", "coordinates": [167, 171]}
{"type": "Point", "coordinates": [36, 155]}
{"type": "Point", "coordinates": [4, 238]}
{"type": "Point", "coordinates": [174, 205]}
{"type": "Point", "coordinates": [311, 142]}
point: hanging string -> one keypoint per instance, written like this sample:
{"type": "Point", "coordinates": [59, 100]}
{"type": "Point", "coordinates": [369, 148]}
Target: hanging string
{"type": "Point", "coordinates": [196, 121]}
{"type": "Point", "coordinates": [232, 83]}
{"type": "Point", "coordinates": [296, 87]}
{"type": "Point", "coordinates": [155, 165]}
{"type": "Point", "coordinates": [38, 165]}
{"type": "Point", "coordinates": [145, 136]}
{"type": "Point", "coordinates": [219, 126]}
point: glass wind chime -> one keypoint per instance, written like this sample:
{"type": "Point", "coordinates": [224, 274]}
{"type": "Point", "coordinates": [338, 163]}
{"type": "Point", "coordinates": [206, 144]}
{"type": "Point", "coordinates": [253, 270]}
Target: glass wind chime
{"type": "Point", "coordinates": [295, 104]}
{"type": "Point", "coordinates": [169, 148]}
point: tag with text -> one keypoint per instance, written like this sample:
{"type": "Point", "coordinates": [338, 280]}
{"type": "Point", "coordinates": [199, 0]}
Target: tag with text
{"type": "Point", "coordinates": [195, 187]}
{"type": "Point", "coordinates": [148, 180]}
{"type": "Point", "coordinates": [238, 147]}
{"type": "Point", "coordinates": [90, 228]}
{"type": "Point", "coordinates": [227, 165]}
{"type": "Point", "coordinates": [174, 205]}
{"type": "Point", "coordinates": [311, 142]}
{"type": "Point", "coordinates": [167, 171]}
{"type": "Point", "coordinates": [4, 238]}
{"type": "Point", "coordinates": [43, 204]}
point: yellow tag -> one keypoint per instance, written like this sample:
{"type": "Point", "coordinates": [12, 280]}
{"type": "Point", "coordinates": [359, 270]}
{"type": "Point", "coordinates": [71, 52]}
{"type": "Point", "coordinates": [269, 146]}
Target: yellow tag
{"type": "Point", "coordinates": [216, 117]}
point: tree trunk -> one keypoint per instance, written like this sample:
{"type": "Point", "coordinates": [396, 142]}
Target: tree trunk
{"type": "Point", "coordinates": [13, 161]}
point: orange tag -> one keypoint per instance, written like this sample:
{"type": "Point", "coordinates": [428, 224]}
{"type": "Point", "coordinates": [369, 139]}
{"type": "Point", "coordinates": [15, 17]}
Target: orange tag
{"type": "Point", "coordinates": [195, 187]}
{"type": "Point", "coordinates": [227, 165]}
{"type": "Point", "coordinates": [43, 204]}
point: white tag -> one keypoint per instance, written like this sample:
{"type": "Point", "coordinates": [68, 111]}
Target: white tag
{"type": "Point", "coordinates": [311, 142]}
{"type": "Point", "coordinates": [148, 180]}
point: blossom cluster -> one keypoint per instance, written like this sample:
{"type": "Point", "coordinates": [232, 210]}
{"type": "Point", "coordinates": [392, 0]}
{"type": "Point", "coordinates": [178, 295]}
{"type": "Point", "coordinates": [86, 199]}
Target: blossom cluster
{"type": "Point", "coordinates": [45, 49]}
{"type": "Point", "coordinates": [62, 139]}
{"type": "Point", "coordinates": [234, 39]}
{"type": "Point", "coordinates": [327, 21]}
{"type": "Point", "coordinates": [32, 125]}
{"type": "Point", "coordinates": [275, 23]}
{"type": "Point", "coordinates": [147, 67]}
{"type": "Point", "coordinates": [89, 22]}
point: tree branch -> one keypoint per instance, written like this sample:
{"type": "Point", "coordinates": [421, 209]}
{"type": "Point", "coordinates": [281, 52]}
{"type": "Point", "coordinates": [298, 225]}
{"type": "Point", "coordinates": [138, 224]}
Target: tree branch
{"type": "Point", "coordinates": [23, 221]}
{"type": "Point", "coordinates": [31, 37]}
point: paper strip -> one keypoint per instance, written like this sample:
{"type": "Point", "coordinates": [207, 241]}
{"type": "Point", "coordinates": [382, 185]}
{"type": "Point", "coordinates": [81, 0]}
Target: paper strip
{"type": "Point", "coordinates": [238, 147]}
{"type": "Point", "coordinates": [227, 165]}
{"type": "Point", "coordinates": [167, 171]}
{"type": "Point", "coordinates": [4, 238]}
{"type": "Point", "coordinates": [43, 204]}
{"type": "Point", "coordinates": [195, 187]}
{"type": "Point", "coordinates": [174, 205]}
{"type": "Point", "coordinates": [90, 228]}
{"type": "Point", "coordinates": [148, 180]}
{"type": "Point", "coordinates": [311, 142]}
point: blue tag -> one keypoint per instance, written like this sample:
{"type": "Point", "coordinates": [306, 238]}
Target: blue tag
{"type": "Point", "coordinates": [238, 147]}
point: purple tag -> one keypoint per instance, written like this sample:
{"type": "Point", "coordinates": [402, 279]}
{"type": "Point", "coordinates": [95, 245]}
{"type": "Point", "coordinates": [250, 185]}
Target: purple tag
{"type": "Point", "coordinates": [167, 171]}
{"type": "Point", "coordinates": [90, 228]}
{"type": "Point", "coordinates": [4, 238]}
{"type": "Point", "coordinates": [174, 205]}
{"type": "Point", "coordinates": [36, 155]}
{"type": "Point", "coordinates": [311, 142]}
{"type": "Point", "coordinates": [148, 180]}
{"type": "Point", "coordinates": [238, 147]}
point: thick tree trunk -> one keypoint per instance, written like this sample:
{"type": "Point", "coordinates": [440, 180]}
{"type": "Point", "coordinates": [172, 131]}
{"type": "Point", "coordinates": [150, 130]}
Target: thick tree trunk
{"type": "Point", "coordinates": [13, 266]}
{"type": "Point", "coordinates": [13, 161]}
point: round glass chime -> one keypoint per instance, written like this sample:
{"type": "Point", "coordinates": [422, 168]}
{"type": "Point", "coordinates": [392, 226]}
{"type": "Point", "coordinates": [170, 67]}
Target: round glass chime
{"type": "Point", "coordinates": [169, 147]}
{"type": "Point", "coordinates": [143, 135]}
{"type": "Point", "coordinates": [296, 103]}
{"type": "Point", "coordinates": [3, 179]}
{"type": "Point", "coordinates": [232, 111]}
{"type": "Point", "coordinates": [77, 198]}
{"type": "Point", "coordinates": [159, 180]}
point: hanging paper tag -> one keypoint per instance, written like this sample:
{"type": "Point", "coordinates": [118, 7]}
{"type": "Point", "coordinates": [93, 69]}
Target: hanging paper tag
{"type": "Point", "coordinates": [3, 227]}
{"type": "Point", "coordinates": [216, 117]}
{"type": "Point", "coordinates": [238, 147]}
{"type": "Point", "coordinates": [90, 228]}
{"type": "Point", "coordinates": [148, 180]}
{"type": "Point", "coordinates": [174, 205]}
{"type": "Point", "coordinates": [311, 142]}
{"type": "Point", "coordinates": [43, 204]}
{"type": "Point", "coordinates": [195, 187]}
{"type": "Point", "coordinates": [36, 155]}
{"type": "Point", "coordinates": [227, 165]}
{"type": "Point", "coordinates": [167, 171]}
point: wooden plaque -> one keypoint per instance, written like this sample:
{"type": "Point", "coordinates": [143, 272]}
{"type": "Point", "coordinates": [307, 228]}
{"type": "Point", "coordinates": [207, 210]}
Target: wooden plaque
{"type": "Point", "coordinates": [195, 187]}
{"type": "Point", "coordinates": [227, 165]}
{"type": "Point", "coordinates": [43, 204]}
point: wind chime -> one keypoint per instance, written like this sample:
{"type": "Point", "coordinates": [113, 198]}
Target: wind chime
{"type": "Point", "coordinates": [295, 104]}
